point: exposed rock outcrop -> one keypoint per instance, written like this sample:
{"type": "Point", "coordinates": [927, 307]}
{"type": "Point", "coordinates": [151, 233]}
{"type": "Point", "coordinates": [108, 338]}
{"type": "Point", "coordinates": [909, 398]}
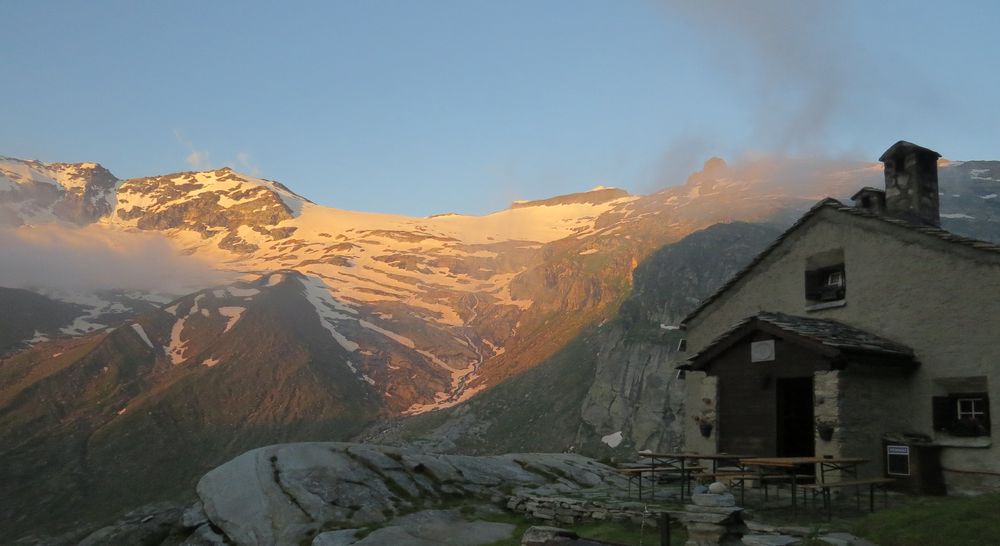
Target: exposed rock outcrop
{"type": "Point", "coordinates": [285, 494]}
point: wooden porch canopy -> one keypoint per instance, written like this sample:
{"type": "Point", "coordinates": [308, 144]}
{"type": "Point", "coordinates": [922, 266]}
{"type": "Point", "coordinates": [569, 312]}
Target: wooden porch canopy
{"type": "Point", "coordinates": [840, 343]}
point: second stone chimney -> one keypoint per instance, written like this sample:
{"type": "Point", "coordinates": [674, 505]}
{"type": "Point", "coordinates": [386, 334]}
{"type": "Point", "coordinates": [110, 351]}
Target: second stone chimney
{"type": "Point", "coordinates": [911, 183]}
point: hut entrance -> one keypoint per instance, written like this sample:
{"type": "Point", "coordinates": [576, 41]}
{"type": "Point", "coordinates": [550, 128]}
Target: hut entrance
{"type": "Point", "coordinates": [794, 407]}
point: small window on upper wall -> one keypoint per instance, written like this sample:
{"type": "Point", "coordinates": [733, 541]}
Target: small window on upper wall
{"type": "Point", "coordinates": [826, 277]}
{"type": "Point", "coordinates": [962, 414]}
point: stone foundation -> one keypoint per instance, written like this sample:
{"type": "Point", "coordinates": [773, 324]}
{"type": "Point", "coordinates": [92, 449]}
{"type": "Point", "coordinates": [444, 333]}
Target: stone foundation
{"type": "Point", "coordinates": [713, 519]}
{"type": "Point", "coordinates": [567, 511]}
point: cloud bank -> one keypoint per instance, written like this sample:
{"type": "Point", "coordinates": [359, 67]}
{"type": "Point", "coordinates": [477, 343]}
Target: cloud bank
{"type": "Point", "coordinates": [97, 258]}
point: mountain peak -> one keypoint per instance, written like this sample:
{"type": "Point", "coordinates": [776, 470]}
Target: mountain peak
{"type": "Point", "coordinates": [595, 196]}
{"type": "Point", "coordinates": [42, 192]}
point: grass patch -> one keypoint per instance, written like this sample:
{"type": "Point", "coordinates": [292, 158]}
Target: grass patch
{"type": "Point", "coordinates": [957, 521]}
{"type": "Point", "coordinates": [909, 520]}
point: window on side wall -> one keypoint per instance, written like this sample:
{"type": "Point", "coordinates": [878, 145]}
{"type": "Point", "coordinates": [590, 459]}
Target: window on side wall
{"type": "Point", "coordinates": [962, 414]}
{"type": "Point", "coordinates": [825, 278]}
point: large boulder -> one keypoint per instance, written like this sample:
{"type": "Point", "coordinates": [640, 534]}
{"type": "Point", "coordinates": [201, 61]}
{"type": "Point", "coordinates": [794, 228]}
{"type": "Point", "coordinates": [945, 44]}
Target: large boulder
{"type": "Point", "coordinates": [285, 494]}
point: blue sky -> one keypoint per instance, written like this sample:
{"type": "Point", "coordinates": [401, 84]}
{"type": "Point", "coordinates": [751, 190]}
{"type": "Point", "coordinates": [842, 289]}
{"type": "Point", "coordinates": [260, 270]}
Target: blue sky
{"type": "Point", "coordinates": [433, 106]}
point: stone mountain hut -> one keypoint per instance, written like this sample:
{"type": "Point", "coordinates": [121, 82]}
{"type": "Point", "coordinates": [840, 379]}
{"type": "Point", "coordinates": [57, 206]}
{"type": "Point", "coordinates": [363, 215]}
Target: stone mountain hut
{"type": "Point", "coordinates": [862, 331]}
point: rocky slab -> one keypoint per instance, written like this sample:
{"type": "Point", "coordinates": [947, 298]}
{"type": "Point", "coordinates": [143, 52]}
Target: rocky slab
{"type": "Point", "coordinates": [285, 494]}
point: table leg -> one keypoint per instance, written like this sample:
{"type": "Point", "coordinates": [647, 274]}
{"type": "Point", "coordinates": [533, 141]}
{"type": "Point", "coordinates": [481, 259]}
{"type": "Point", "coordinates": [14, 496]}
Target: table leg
{"type": "Point", "coordinates": [653, 477]}
{"type": "Point", "coordinates": [795, 496]}
{"type": "Point", "coordinates": [684, 480]}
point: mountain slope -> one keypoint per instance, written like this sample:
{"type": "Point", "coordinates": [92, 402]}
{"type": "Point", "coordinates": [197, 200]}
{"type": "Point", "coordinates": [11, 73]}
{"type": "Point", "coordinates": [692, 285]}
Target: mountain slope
{"type": "Point", "coordinates": [122, 407]}
{"type": "Point", "coordinates": [612, 379]}
{"type": "Point", "coordinates": [28, 317]}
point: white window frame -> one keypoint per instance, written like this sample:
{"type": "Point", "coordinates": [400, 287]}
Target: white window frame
{"type": "Point", "coordinates": [975, 410]}
{"type": "Point", "coordinates": [835, 278]}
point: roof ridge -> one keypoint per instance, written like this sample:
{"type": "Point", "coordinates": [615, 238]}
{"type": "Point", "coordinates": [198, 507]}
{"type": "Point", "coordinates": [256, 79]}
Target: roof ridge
{"type": "Point", "coordinates": [836, 205]}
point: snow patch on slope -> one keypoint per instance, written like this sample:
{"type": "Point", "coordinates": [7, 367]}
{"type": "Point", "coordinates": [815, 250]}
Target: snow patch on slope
{"type": "Point", "coordinates": [94, 306]}
{"type": "Point", "coordinates": [233, 315]}
{"type": "Point", "coordinates": [613, 440]}
{"type": "Point", "coordinates": [402, 340]}
{"type": "Point", "coordinates": [142, 334]}
{"type": "Point", "coordinates": [178, 346]}
{"type": "Point", "coordinates": [242, 292]}
{"type": "Point", "coordinates": [328, 310]}
{"type": "Point", "coordinates": [175, 351]}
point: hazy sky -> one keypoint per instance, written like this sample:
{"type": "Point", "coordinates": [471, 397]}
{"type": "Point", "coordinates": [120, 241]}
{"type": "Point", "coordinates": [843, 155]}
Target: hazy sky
{"type": "Point", "coordinates": [429, 106]}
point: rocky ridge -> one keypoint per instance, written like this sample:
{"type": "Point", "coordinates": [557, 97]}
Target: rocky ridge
{"type": "Point", "coordinates": [32, 192]}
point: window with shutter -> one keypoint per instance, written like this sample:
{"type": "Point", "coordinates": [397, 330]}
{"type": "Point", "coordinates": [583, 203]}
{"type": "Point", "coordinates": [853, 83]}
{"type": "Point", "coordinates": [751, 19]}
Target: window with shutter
{"type": "Point", "coordinates": [825, 277]}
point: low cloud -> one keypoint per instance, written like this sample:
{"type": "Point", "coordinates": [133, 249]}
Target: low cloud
{"type": "Point", "coordinates": [198, 160]}
{"type": "Point", "coordinates": [244, 163]}
{"type": "Point", "coordinates": [806, 176]}
{"type": "Point", "coordinates": [97, 258]}
{"type": "Point", "coordinates": [785, 60]}
{"type": "Point", "coordinates": [809, 88]}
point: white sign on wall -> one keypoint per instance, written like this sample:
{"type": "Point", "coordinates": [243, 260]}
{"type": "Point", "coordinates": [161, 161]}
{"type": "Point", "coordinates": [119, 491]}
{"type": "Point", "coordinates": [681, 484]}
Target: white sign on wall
{"type": "Point", "coordinates": [762, 351]}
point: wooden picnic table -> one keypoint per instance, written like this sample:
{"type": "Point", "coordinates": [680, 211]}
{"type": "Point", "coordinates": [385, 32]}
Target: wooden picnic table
{"type": "Point", "coordinates": [789, 465]}
{"type": "Point", "coordinates": [681, 462]}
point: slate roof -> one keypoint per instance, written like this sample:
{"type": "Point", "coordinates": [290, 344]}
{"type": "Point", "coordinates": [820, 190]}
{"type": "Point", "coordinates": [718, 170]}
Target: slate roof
{"type": "Point", "coordinates": [832, 204]}
{"type": "Point", "coordinates": [834, 337]}
{"type": "Point", "coordinates": [835, 334]}
{"type": "Point", "coordinates": [867, 189]}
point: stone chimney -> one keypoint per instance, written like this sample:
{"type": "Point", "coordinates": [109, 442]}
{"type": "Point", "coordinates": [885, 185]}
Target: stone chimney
{"type": "Point", "coordinates": [911, 183]}
{"type": "Point", "coordinates": [870, 199]}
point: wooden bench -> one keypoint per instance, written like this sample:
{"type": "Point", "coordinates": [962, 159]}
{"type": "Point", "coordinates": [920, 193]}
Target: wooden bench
{"type": "Point", "coordinates": [824, 488]}
{"type": "Point", "coordinates": [784, 478]}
